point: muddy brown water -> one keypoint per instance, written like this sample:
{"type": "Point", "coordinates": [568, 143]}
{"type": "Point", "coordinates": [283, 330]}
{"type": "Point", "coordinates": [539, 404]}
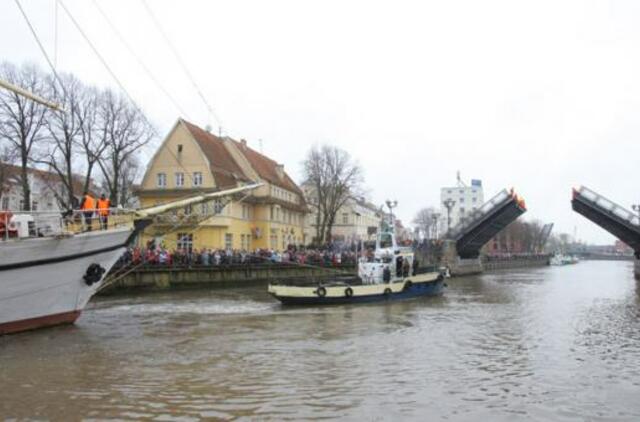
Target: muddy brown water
{"type": "Point", "coordinates": [555, 343]}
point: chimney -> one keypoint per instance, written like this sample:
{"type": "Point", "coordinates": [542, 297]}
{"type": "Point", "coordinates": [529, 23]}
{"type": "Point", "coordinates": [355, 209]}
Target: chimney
{"type": "Point", "coordinates": [243, 142]}
{"type": "Point", "coordinates": [280, 170]}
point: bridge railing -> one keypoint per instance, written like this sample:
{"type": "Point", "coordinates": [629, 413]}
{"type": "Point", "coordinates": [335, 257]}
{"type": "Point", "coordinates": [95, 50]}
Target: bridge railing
{"type": "Point", "coordinates": [479, 212]}
{"type": "Point", "coordinates": [607, 205]}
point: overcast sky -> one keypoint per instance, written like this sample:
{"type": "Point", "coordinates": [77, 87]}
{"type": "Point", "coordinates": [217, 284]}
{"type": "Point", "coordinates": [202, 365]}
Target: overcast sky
{"type": "Point", "coordinates": [539, 95]}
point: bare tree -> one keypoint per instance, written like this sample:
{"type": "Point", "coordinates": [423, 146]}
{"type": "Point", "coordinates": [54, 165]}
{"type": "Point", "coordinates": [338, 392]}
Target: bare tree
{"type": "Point", "coordinates": [7, 157]}
{"type": "Point", "coordinates": [92, 133]}
{"type": "Point", "coordinates": [64, 130]}
{"type": "Point", "coordinates": [128, 176]}
{"type": "Point", "coordinates": [333, 178]}
{"type": "Point", "coordinates": [22, 120]}
{"type": "Point", "coordinates": [124, 130]}
{"type": "Point", "coordinates": [424, 221]}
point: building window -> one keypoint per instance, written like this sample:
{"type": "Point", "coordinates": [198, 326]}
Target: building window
{"type": "Point", "coordinates": [34, 206]}
{"type": "Point", "coordinates": [162, 180]}
{"type": "Point", "coordinates": [197, 178]}
{"type": "Point", "coordinates": [228, 241]}
{"type": "Point", "coordinates": [204, 208]}
{"type": "Point", "coordinates": [179, 179]}
{"type": "Point", "coordinates": [462, 200]}
{"type": "Point", "coordinates": [5, 203]}
{"type": "Point", "coordinates": [245, 212]}
{"type": "Point", "coordinates": [218, 206]}
{"type": "Point", "coordinates": [273, 241]}
{"type": "Point", "coordinates": [345, 218]}
{"type": "Point", "coordinates": [474, 199]}
{"type": "Point", "coordinates": [185, 241]}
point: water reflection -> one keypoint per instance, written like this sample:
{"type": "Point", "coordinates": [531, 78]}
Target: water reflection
{"type": "Point", "coordinates": [549, 343]}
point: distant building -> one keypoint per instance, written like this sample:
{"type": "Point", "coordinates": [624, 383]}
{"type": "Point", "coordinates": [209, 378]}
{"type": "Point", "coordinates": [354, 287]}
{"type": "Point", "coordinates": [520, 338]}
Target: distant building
{"type": "Point", "coordinates": [192, 160]}
{"type": "Point", "coordinates": [356, 220]}
{"type": "Point", "coordinates": [462, 200]}
{"type": "Point", "coordinates": [46, 188]}
{"type": "Point", "coordinates": [621, 248]}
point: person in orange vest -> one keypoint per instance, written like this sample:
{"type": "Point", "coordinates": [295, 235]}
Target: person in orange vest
{"type": "Point", "coordinates": [103, 211]}
{"type": "Point", "coordinates": [88, 206]}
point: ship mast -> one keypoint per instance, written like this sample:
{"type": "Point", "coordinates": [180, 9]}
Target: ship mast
{"type": "Point", "coordinates": [31, 96]}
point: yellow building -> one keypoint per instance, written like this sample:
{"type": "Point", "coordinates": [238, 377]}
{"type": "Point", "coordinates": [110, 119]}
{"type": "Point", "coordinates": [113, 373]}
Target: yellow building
{"type": "Point", "coordinates": [192, 160]}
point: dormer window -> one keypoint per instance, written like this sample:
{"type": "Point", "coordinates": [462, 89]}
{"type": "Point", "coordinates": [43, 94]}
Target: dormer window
{"type": "Point", "coordinates": [179, 148]}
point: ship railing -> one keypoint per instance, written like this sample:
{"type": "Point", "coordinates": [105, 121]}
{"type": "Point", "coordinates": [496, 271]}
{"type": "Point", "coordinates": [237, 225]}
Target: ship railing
{"type": "Point", "coordinates": [607, 205]}
{"type": "Point", "coordinates": [25, 224]}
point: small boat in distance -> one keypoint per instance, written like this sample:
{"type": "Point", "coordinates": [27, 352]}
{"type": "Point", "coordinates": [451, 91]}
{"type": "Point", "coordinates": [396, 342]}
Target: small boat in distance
{"type": "Point", "coordinates": [391, 273]}
{"type": "Point", "coordinates": [560, 259]}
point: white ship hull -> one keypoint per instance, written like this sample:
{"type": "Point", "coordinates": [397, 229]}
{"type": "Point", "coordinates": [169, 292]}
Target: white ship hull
{"type": "Point", "coordinates": [42, 280]}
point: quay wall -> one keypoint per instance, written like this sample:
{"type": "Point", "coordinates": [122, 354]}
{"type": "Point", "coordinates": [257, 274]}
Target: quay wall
{"type": "Point", "coordinates": [516, 262]}
{"type": "Point", "coordinates": [157, 278]}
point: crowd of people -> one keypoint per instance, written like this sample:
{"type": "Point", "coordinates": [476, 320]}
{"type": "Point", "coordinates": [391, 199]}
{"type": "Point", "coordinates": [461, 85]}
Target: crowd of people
{"type": "Point", "coordinates": [178, 257]}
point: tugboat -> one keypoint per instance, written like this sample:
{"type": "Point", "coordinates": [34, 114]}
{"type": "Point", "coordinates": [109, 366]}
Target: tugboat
{"type": "Point", "coordinates": [391, 273]}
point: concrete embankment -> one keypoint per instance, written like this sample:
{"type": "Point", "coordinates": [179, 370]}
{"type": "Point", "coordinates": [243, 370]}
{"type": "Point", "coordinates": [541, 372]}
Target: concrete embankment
{"type": "Point", "coordinates": [517, 262]}
{"type": "Point", "coordinates": [463, 267]}
{"type": "Point", "coordinates": [157, 278]}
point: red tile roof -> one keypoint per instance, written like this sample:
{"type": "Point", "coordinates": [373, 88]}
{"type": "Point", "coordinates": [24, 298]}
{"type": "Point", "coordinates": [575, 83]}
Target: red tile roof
{"type": "Point", "coordinates": [226, 171]}
{"type": "Point", "coordinates": [267, 169]}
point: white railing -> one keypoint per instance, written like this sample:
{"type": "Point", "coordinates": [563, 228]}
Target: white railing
{"type": "Point", "coordinates": [608, 205]}
{"type": "Point", "coordinates": [24, 224]}
{"type": "Point", "coordinates": [481, 211]}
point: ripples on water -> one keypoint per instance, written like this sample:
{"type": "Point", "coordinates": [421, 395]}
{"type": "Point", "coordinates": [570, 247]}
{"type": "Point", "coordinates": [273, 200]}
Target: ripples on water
{"type": "Point", "coordinates": [550, 343]}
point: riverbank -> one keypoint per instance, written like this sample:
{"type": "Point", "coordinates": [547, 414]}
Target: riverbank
{"type": "Point", "coordinates": [161, 278]}
{"type": "Point", "coordinates": [158, 278]}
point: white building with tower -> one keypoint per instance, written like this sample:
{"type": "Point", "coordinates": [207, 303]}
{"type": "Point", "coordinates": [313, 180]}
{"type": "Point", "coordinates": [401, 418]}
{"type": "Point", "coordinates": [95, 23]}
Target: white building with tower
{"type": "Point", "coordinates": [457, 202]}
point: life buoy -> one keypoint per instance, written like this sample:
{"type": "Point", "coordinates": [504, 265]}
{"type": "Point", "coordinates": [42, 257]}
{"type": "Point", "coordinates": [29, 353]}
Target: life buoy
{"type": "Point", "coordinates": [387, 291]}
{"type": "Point", "coordinates": [321, 292]}
{"type": "Point", "coordinates": [93, 274]}
{"type": "Point", "coordinates": [348, 292]}
{"type": "Point", "coordinates": [408, 285]}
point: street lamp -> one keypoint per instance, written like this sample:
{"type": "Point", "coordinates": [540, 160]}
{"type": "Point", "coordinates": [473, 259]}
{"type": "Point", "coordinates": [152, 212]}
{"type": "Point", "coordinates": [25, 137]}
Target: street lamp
{"type": "Point", "coordinates": [435, 216]}
{"type": "Point", "coordinates": [448, 204]}
{"type": "Point", "coordinates": [392, 205]}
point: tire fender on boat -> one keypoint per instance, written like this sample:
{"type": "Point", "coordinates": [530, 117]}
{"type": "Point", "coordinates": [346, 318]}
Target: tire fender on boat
{"type": "Point", "coordinates": [348, 292]}
{"type": "Point", "coordinates": [94, 274]}
{"type": "Point", "coordinates": [387, 291]}
{"type": "Point", "coordinates": [408, 284]}
{"type": "Point", "coordinates": [321, 291]}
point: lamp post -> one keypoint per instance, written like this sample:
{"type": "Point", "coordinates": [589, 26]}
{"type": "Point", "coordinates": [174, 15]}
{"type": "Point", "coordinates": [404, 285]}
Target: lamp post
{"type": "Point", "coordinates": [448, 204]}
{"type": "Point", "coordinates": [435, 217]}
{"type": "Point", "coordinates": [392, 205]}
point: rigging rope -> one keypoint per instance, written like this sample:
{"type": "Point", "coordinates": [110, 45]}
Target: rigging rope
{"type": "Point", "coordinates": [44, 52]}
{"type": "Point", "coordinates": [181, 63]}
{"type": "Point", "coordinates": [140, 62]}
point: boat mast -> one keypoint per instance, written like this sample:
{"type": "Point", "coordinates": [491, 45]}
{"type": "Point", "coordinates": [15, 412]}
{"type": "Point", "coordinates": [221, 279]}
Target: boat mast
{"type": "Point", "coordinates": [29, 95]}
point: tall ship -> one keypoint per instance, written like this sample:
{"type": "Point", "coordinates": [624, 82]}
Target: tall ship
{"type": "Point", "coordinates": [52, 264]}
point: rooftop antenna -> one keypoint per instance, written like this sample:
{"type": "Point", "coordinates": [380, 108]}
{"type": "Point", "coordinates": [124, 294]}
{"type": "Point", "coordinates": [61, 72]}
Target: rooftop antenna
{"type": "Point", "coordinates": [460, 182]}
{"type": "Point", "coordinates": [260, 142]}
